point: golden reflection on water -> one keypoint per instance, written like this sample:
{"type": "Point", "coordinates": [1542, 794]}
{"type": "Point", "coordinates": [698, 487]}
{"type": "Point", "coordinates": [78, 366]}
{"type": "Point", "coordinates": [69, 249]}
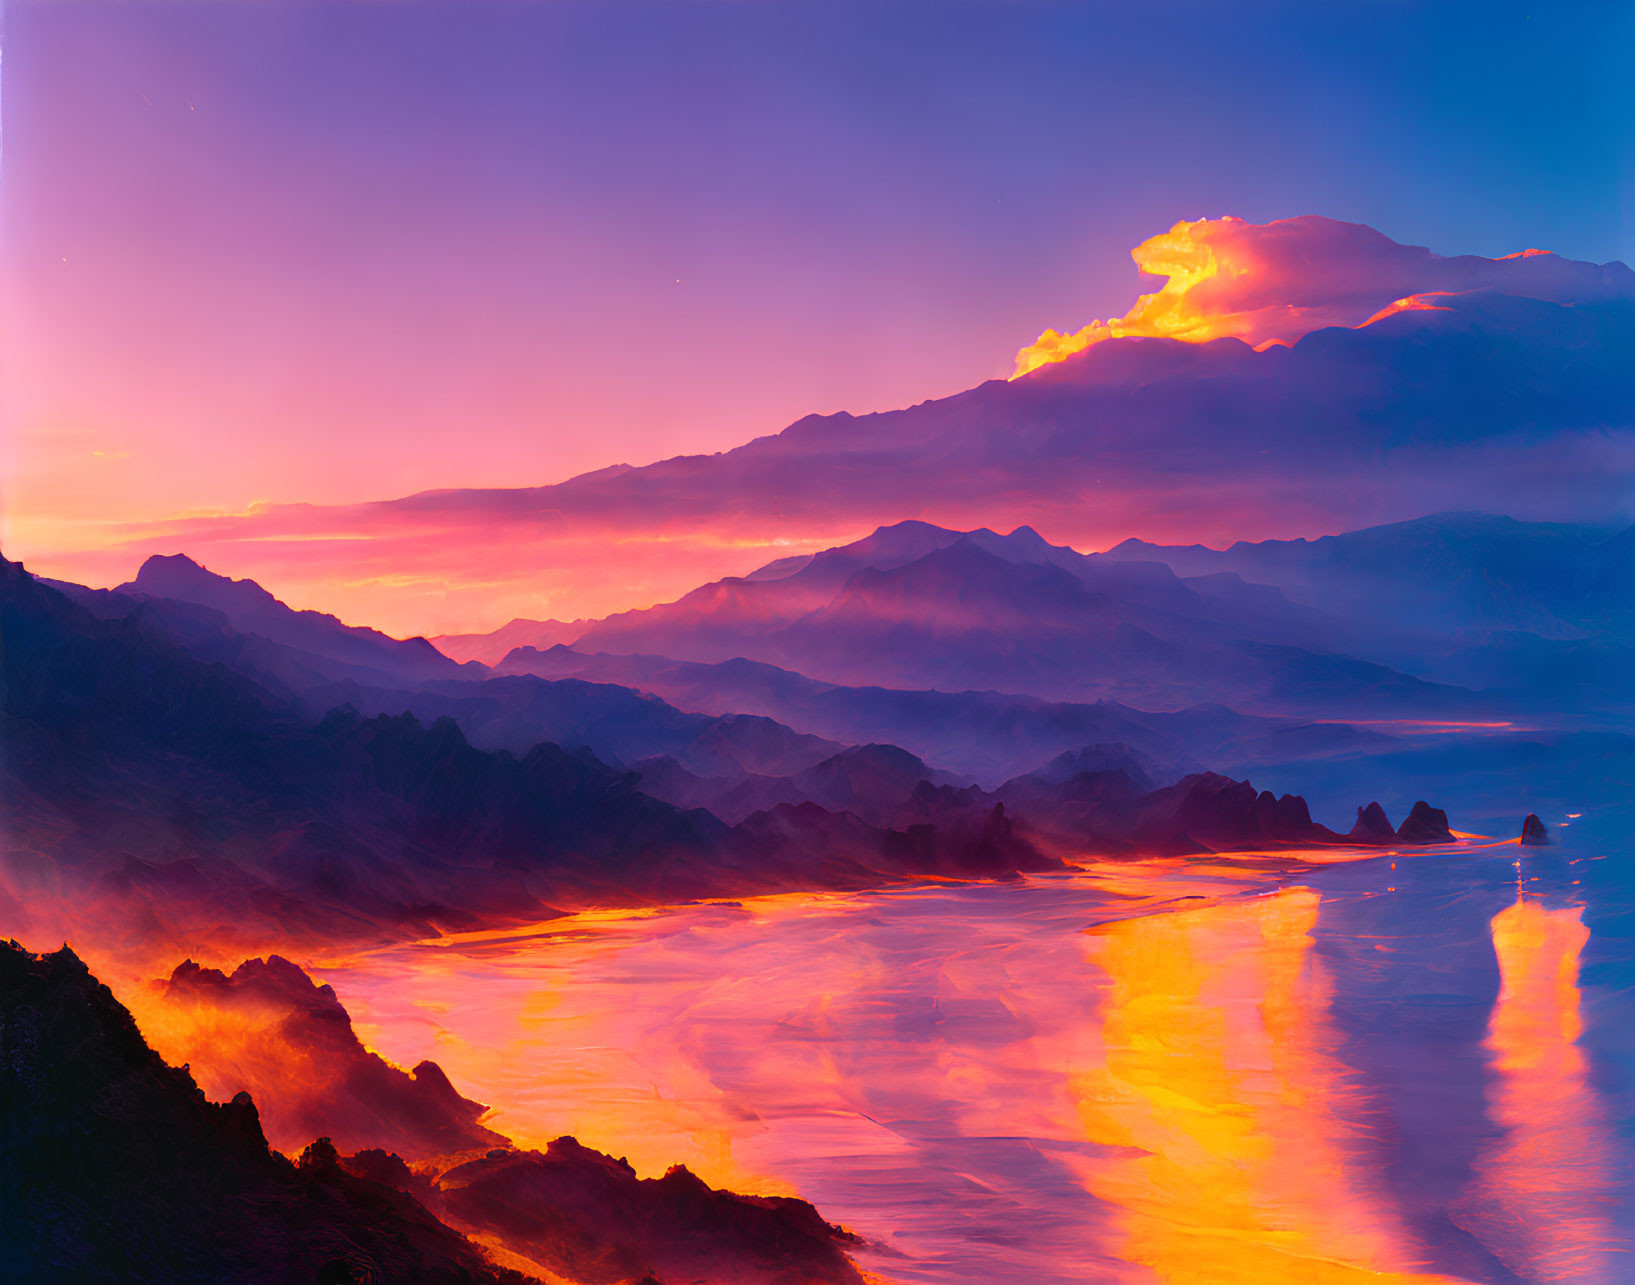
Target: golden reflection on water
{"type": "Point", "coordinates": [1539, 1200]}
{"type": "Point", "coordinates": [1004, 1094]}
{"type": "Point", "coordinates": [1218, 1072]}
{"type": "Point", "coordinates": [631, 1030]}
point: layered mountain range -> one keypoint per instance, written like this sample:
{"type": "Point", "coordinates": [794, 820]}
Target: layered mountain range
{"type": "Point", "coordinates": [916, 606]}
{"type": "Point", "coordinates": [189, 747]}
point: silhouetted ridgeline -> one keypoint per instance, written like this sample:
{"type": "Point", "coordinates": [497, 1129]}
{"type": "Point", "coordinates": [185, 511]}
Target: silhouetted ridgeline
{"type": "Point", "coordinates": [116, 1167]}
{"type": "Point", "coordinates": [149, 789]}
{"type": "Point", "coordinates": [142, 773]}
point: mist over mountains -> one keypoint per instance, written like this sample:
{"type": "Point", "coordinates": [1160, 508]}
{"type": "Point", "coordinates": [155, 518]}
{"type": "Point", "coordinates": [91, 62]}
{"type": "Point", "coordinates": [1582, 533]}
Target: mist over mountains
{"type": "Point", "coordinates": [1012, 613]}
{"type": "Point", "coordinates": [871, 711]}
{"type": "Point", "coordinates": [1442, 617]}
{"type": "Point", "coordinates": [152, 795]}
{"type": "Point", "coordinates": [817, 724]}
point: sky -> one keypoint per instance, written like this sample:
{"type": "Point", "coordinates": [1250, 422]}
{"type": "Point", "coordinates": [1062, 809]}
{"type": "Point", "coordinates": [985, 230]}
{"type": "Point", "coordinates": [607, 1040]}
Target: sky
{"type": "Point", "coordinates": [263, 253]}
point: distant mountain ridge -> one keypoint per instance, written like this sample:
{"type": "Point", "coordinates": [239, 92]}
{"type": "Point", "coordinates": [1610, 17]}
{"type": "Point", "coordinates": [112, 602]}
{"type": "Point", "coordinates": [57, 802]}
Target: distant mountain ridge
{"type": "Point", "coordinates": [713, 618]}
{"type": "Point", "coordinates": [248, 609]}
{"type": "Point", "coordinates": [320, 664]}
{"type": "Point", "coordinates": [984, 734]}
{"type": "Point", "coordinates": [915, 606]}
{"type": "Point", "coordinates": [491, 648]}
{"type": "Point", "coordinates": [1454, 571]}
{"type": "Point", "coordinates": [1451, 616]}
{"type": "Point", "coordinates": [1540, 614]}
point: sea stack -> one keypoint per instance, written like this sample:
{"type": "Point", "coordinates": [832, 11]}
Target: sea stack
{"type": "Point", "coordinates": [1533, 833]}
{"type": "Point", "coordinates": [1373, 826]}
{"type": "Point", "coordinates": [1425, 825]}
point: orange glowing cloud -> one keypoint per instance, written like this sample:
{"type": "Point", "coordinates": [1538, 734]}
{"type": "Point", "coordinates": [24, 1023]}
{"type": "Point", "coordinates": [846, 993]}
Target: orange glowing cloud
{"type": "Point", "coordinates": [1187, 255]}
{"type": "Point", "coordinates": [1413, 303]}
{"type": "Point", "coordinates": [1271, 283]}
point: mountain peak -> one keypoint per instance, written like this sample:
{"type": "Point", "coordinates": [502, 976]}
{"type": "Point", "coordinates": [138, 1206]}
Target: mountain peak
{"type": "Point", "coordinates": [902, 541]}
{"type": "Point", "coordinates": [176, 575]}
{"type": "Point", "coordinates": [251, 609]}
{"type": "Point", "coordinates": [159, 563]}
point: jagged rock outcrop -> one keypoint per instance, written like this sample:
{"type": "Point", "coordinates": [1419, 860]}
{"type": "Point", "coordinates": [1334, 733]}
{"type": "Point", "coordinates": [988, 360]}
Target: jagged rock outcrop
{"type": "Point", "coordinates": [1373, 827]}
{"type": "Point", "coordinates": [114, 1165]}
{"type": "Point", "coordinates": [299, 1056]}
{"type": "Point", "coordinates": [1534, 834]}
{"type": "Point", "coordinates": [1109, 813]}
{"type": "Point", "coordinates": [972, 838]}
{"type": "Point", "coordinates": [572, 1211]}
{"type": "Point", "coordinates": [584, 1215]}
{"type": "Point", "coordinates": [1425, 826]}
{"type": "Point", "coordinates": [1213, 813]}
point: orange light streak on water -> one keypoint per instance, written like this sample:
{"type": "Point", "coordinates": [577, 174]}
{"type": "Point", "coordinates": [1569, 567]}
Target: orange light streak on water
{"type": "Point", "coordinates": [1128, 1072]}
{"type": "Point", "coordinates": [591, 1025]}
{"type": "Point", "coordinates": [1218, 1075]}
{"type": "Point", "coordinates": [865, 1050]}
{"type": "Point", "coordinates": [1541, 1196]}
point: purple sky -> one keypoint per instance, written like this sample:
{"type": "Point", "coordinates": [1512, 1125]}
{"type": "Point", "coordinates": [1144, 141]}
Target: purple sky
{"type": "Point", "coordinates": [343, 252]}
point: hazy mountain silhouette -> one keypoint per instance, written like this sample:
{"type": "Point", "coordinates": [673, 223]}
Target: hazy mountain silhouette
{"type": "Point", "coordinates": [716, 621]}
{"type": "Point", "coordinates": [375, 675]}
{"type": "Point", "coordinates": [915, 606]}
{"type": "Point", "coordinates": [1447, 572]}
{"type": "Point", "coordinates": [984, 734]}
{"type": "Point", "coordinates": [1539, 613]}
{"type": "Point", "coordinates": [617, 724]}
{"type": "Point", "coordinates": [309, 645]}
{"type": "Point", "coordinates": [489, 648]}
{"type": "Point", "coordinates": [147, 791]}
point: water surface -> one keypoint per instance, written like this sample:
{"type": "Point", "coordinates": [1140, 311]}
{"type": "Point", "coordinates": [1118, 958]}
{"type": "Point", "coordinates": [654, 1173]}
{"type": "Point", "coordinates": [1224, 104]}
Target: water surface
{"type": "Point", "coordinates": [1410, 1067]}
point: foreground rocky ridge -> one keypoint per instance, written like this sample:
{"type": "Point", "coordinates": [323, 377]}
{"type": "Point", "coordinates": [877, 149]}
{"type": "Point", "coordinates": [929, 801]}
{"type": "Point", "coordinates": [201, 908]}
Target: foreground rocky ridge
{"type": "Point", "coordinates": [117, 1167]}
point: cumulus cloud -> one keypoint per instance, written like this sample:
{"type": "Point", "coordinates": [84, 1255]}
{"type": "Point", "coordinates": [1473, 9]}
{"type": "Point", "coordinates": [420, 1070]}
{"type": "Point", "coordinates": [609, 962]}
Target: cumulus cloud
{"type": "Point", "coordinates": [1271, 283]}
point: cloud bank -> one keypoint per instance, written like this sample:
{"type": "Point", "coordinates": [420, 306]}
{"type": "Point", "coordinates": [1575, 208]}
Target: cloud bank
{"type": "Point", "coordinates": [1295, 378]}
{"type": "Point", "coordinates": [1271, 283]}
